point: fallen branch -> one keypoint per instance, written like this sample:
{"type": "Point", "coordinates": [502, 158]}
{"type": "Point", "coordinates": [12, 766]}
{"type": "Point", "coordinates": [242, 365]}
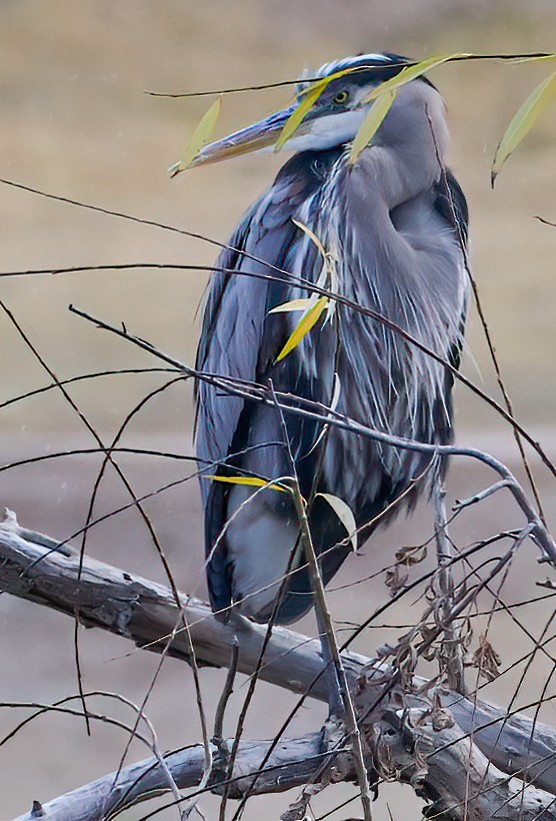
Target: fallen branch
{"type": "Point", "coordinates": [450, 771]}
{"type": "Point", "coordinates": [290, 765]}
{"type": "Point", "coordinates": [145, 612]}
{"type": "Point", "coordinates": [443, 768]}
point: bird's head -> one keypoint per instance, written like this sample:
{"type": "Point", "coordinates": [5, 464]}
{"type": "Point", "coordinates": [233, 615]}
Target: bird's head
{"type": "Point", "coordinates": [334, 118]}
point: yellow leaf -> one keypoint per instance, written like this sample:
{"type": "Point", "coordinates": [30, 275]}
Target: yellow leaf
{"type": "Point", "coordinates": [200, 136]}
{"type": "Point", "coordinates": [371, 124]}
{"type": "Point", "coordinates": [309, 318]}
{"type": "Point", "coordinates": [292, 305]}
{"type": "Point", "coordinates": [313, 92]}
{"type": "Point", "coordinates": [251, 481]}
{"type": "Point", "coordinates": [296, 118]}
{"type": "Point", "coordinates": [312, 236]}
{"type": "Point", "coordinates": [522, 122]}
{"type": "Point", "coordinates": [309, 96]}
{"type": "Point", "coordinates": [410, 73]}
{"type": "Point", "coordinates": [344, 514]}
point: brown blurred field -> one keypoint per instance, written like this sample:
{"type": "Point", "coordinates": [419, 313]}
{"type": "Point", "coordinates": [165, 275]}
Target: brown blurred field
{"type": "Point", "coordinates": [76, 123]}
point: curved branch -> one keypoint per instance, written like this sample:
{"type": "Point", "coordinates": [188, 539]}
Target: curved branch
{"type": "Point", "coordinates": [450, 771]}
{"type": "Point", "coordinates": [441, 767]}
{"type": "Point", "coordinates": [291, 765]}
{"type": "Point", "coordinates": [145, 612]}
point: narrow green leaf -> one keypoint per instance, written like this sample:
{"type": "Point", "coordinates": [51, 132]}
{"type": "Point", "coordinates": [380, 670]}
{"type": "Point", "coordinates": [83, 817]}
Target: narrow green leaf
{"type": "Point", "coordinates": [312, 236]}
{"type": "Point", "coordinates": [296, 118]}
{"type": "Point", "coordinates": [345, 515]}
{"type": "Point", "coordinates": [522, 122]}
{"type": "Point", "coordinates": [327, 277]}
{"type": "Point", "coordinates": [309, 318]}
{"type": "Point", "coordinates": [371, 124]}
{"type": "Point", "coordinates": [292, 305]}
{"type": "Point", "coordinates": [410, 73]}
{"type": "Point", "coordinates": [200, 136]}
{"type": "Point", "coordinates": [308, 98]}
{"type": "Point", "coordinates": [250, 481]}
{"type": "Point", "coordinates": [311, 94]}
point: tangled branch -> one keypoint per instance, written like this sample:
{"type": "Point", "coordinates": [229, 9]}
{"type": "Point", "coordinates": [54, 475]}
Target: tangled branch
{"type": "Point", "coordinates": [512, 757]}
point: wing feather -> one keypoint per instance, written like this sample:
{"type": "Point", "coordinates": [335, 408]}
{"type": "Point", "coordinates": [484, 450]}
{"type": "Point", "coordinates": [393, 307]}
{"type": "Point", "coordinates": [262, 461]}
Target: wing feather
{"type": "Point", "coordinates": [240, 339]}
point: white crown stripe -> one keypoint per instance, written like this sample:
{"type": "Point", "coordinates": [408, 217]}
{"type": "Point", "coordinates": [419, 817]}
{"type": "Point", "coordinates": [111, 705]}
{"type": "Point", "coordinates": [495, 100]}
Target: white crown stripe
{"type": "Point", "coordinates": [352, 62]}
{"type": "Point", "coordinates": [362, 60]}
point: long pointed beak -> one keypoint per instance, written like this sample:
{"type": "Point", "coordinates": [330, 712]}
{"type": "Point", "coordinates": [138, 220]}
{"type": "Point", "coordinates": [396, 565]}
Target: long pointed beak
{"type": "Point", "coordinates": [252, 138]}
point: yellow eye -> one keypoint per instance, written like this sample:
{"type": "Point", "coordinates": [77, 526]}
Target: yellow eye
{"type": "Point", "coordinates": [341, 97]}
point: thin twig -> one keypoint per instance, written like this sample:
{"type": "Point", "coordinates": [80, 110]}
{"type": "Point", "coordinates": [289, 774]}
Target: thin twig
{"type": "Point", "coordinates": [303, 407]}
{"type": "Point", "coordinates": [486, 330]}
{"type": "Point", "coordinates": [222, 381]}
{"type": "Point", "coordinates": [444, 554]}
{"type": "Point", "coordinates": [218, 732]}
{"type": "Point", "coordinates": [349, 716]}
{"type": "Point", "coordinates": [460, 504]}
{"type": "Point", "coordinates": [207, 747]}
{"type": "Point", "coordinates": [366, 68]}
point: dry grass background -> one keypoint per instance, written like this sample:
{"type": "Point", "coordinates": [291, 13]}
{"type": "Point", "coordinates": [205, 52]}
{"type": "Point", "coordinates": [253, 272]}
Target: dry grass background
{"type": "Point", "coordinates": [75, 122]}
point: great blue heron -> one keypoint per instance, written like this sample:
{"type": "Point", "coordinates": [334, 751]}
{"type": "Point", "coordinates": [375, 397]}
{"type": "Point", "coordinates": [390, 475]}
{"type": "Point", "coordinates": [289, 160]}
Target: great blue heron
{"type": "Point", "coordinates": [393, 224]}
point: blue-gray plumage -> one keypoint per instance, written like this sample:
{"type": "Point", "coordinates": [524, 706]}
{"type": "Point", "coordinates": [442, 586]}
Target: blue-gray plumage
{"type": "Point", "coordinates": [392, 224]}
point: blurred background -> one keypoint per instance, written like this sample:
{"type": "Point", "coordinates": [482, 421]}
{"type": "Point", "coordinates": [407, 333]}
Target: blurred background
{"type": "Point", "coordinates": [77, 123]}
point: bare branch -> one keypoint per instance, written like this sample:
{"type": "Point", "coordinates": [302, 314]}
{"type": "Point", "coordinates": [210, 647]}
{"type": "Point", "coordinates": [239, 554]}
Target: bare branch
{"type": "Point", "coordinates": [429, 753]}
{"type": "Point", "coordinates": [424, 750]}
{"type": "Point", "coordinates": [145, 612]}
{"type": "Point", "coordinates": [290, 766]}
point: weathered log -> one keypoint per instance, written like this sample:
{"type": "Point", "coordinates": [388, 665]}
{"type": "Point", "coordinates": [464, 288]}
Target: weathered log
{"type": "Point", "coordinates": [290, 765]}
{"type": "Point", "coordinates": [450, 773]}
{"type": "Point", "coordinates": [146, 613]}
